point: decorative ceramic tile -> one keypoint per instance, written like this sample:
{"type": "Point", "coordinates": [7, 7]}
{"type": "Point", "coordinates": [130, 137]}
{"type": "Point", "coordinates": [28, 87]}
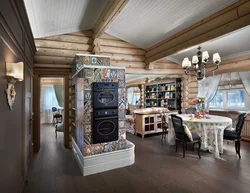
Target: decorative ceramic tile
{"type": "Point", "coordinates": [113, 73]}
{"type": "Point", "coordinates": [88, 150]}
{"type": "Point", "coordinates": [86, 77]}
{"type": "Point", "coordinates": [121, 124]}
{"type": "Point", "coordinates": [121, 84]}
{"type": "Point", "coordinates": [87, 139]}
{"type": "Point", "coordinates": [87, 95]}
{"type": "Point", "coordinates": [106, 147]}
{"type": "Point", "coordinates": [89, 73]}
{"type": "Point", "coordinates": [97, 148]}
{"type": "Point", "coordinates": [122, 105]}
{"type": "Point", "coordinates": [106, 73]}
{"type": "Point", "coordinates": [113, 145]}
{"type": "Point", "coordinates": [122, 144]}
{"type": "Point", "coordinates": [121, 74]}
{"type": "Point", "coordinates": [87, 128]}
{"type": "Point", "coordinates": [121, 113]}
{"type": "Point", "coordinates": [122, 134]}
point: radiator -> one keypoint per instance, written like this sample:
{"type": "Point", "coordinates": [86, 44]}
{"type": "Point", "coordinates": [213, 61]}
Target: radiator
{"type": "Point", "coordinates": [246, 128]}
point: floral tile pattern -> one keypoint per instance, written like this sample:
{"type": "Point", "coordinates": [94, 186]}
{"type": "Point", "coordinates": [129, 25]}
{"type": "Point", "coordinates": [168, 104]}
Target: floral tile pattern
{"type": "Point", "coordinates": [85, 77]}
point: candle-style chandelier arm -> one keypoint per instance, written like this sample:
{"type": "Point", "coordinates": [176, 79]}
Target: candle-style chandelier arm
{"type": "Point", "coordinates": [197, 67]}
{"type": "Point", "coordinates": [210, 71]}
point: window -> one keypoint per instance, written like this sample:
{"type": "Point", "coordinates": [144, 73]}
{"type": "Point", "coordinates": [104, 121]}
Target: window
{"type": "Point", "coordinates": [217, 101]}
{"type": "Point", "coordinates": [230, 99]}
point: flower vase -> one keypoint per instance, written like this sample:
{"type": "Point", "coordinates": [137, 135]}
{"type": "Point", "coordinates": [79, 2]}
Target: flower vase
{"type": "Point", "coordinates": [200, 108]}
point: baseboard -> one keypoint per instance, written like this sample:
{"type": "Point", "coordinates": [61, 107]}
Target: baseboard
{"type": "Point", "coordinates": [78, 155]}
{"type": "Point", "coordinates": [105, 161]}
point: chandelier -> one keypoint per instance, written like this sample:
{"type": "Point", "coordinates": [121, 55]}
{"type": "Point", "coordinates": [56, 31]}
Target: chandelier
{"type": "Point", "coordinates": [198, 66]}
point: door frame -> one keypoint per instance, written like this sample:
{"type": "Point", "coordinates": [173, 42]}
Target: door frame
{"type": "Point", "coordinates": [49, 72]}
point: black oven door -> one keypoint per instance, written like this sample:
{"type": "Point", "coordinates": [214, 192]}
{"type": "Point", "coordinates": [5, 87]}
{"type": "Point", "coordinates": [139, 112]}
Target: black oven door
{"type": "Point", "coordinates": [105, 129]}
{"type": "Point", "coordinates": [105, 95]}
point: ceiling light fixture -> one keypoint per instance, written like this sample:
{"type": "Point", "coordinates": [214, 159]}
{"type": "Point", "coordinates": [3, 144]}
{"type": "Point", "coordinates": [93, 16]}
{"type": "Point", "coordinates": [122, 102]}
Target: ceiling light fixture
{"type": "Point", "coordinates": [198, 65]}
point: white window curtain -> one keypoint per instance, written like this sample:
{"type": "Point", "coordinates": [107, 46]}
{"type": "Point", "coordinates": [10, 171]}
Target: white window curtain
{"type": "Point", "coordinates": [245, 78]}
{"type": "Point", "coordinates": [207, 88]}
{"type": "Point", "coordinates": [48, 100]}
{"type": "Point", "coordinates": [130, 95]}
{"type": "Point", "coordinates": [133, 96]}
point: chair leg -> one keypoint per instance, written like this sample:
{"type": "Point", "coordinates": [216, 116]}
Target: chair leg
{"type": "Point", "coordinates": [193, 146]}
{"type": "Point", "coordinates": [236, 147]}
{"type": "Point", "coordinates": [199, 148]}
{"type": "Point", "coordinates": [186, 146]}
{"type": "Point", "coordinates": [239, 149]}
{"type": "Point", "coordinates": [183, 145]}
{"type": "Point", "coordinates": [176, 145]}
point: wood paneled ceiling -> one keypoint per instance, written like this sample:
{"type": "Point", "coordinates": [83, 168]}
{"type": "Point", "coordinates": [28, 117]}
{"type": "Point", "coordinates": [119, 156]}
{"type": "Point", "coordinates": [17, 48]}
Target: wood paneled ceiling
{"type": "Point", "coordinates": [55, 17]}
{"type": "Point", "coordinates": [145, 22]}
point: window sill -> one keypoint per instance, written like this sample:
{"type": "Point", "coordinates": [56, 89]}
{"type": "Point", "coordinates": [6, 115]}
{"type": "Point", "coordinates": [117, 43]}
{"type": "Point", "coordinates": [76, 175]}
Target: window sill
{"type": "Point", "coordinates": [230, 110]}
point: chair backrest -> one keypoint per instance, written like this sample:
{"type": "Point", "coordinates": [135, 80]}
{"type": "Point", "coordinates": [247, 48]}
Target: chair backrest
{"type": "Point", "coordinates": [178, 126]}
{"type": "Point", "coordinates": [54, 109]}
{"type": "Point", "coordinates": [190, 110]}
{"type": "Point", "coordinates": [240, 123]}
{"type": "Point", "coordinates": [58, 118]}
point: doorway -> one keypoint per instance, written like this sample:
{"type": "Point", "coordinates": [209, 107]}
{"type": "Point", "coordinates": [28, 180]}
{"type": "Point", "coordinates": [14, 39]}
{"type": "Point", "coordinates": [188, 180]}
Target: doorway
{"type": "Point", "coordinates": [40, 77]}
{"type": "Point", "coordinates": [51, 109]}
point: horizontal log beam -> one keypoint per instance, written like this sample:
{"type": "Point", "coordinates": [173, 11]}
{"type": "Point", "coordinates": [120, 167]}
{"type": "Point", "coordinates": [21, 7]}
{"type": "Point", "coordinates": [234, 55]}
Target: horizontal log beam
{"type": "Point", "coordinates": [128, 64]}
{"type": "Point", "coordinates": [59, 52]}
{"type": "Point", "coordinates": [232, 67]}
{"type": "Point", "coordinates": [125, 57]}
{"type": "Point", "coordinates": [115, 50]}
{"type": "Point", "coordinates": [166, 66]}
{"type": "Point", "coordinates": [55, 66]}
{"type": "Point", "coordinates": [70, 38]}
{"type": "Point", "coordinates": [53, 60]}
{"type": "Point", "coordinates": [113, 43]}
{"type": "Point", "coordinates": [110, 12]}
{"type": "Point", "coordinates": [154, 71]}
{"type": "Point", "coordinates": [226, 21]}
{"type": "Point", "coordinates": [88, 33]}
{"type": "Point", "coordinates": [62, 45]}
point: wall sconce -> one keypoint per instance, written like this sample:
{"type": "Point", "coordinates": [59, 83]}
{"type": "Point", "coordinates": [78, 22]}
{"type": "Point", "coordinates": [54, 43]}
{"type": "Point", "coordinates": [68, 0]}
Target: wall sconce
{"type": "Point", "coordinates": [14, 72]}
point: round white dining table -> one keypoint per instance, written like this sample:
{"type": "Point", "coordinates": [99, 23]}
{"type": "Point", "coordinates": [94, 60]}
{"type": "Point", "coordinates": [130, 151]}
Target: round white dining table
{"type": "Point", "coordinates": [210, 130]}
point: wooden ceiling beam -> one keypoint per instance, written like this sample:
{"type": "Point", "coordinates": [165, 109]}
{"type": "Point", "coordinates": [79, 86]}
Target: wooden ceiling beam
{"type": "Point", "coordinates": [162, 65]}
{"type": "Point", "coordinates": [154, 71]}
{"type": "Point", "coordinates": [113, 8]}
{"type": "Point", "coordinates": [230, 19]}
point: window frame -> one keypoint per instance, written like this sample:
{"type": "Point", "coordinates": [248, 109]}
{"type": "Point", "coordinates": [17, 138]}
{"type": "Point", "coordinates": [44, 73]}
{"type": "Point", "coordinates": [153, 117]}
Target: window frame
{"type": "Point", "coordinates": [225, 101]}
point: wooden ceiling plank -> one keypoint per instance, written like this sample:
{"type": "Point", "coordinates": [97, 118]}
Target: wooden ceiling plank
{"type": "Point", "coordinates": [226, 21]}
{"type": "Point", "coordinates": [113, 9]}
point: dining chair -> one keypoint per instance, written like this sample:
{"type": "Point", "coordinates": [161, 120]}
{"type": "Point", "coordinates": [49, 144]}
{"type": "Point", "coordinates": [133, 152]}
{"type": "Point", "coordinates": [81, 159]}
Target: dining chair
{"type": "Point", "coordinates": [235, 133]}
{"type": "Point", "coordinates": [59, 126]}
{"type": "Point", "coordinates": [181, 136]}
{"type": "Point", "coordinates": [164, 125]}
{"type": "Point", "coordinates": [55, 113]}
{"type": "Point", "coordinates": [190, 110]}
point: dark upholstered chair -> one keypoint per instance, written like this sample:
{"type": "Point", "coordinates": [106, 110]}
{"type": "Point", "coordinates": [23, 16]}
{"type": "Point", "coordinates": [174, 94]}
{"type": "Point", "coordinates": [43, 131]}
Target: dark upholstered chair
{"type": "Point", "coordinates": [235, 134]}
{"type": "Point", "coordinates": [190, 110]}
{"type": "Point", "coordinates": [180, 135]}
{"type": "Point", "coordinates": [164, 123]}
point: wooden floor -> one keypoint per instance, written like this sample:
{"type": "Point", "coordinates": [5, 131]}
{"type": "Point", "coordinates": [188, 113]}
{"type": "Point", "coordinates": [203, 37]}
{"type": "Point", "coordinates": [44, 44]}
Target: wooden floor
{"type": "Point", "coordinates": [157, 169]}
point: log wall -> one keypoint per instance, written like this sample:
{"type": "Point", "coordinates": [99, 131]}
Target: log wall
{"type": "Point", "coordinates": [121, 53]}
{"type": "Point", "coordinates": [189, 91]}
{"type": "Point", "coordinates": [59, 51]}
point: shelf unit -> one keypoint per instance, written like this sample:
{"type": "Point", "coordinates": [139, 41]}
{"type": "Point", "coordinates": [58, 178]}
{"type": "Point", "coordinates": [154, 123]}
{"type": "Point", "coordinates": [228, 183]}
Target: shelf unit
{"type": "Point", "coordinates": [170, 92]}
